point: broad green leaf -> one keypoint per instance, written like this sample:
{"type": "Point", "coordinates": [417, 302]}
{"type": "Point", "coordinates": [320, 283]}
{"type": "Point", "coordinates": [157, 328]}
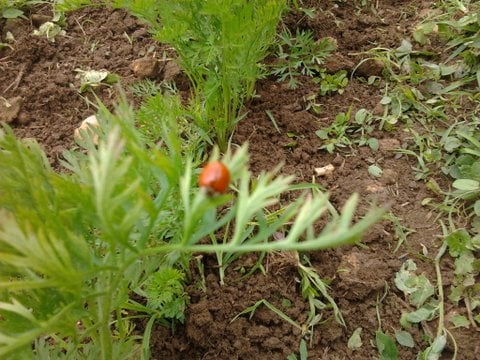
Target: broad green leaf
{"type": "Point", "coordinates": [405, 48]}
{"type": "Point", "coordinates": [424, 289]}
{"type": "Point", "coordinates": [451, 143]}
{"type": "Point", "coordinates": [11, 13]}
{"type": "Point", "coordinates": [374, 170]}
{"type": "Point", "coordinates": [360, 116]}
{"type": "Point", "coordinates": [303, 350]}
{"type": "Point", "coordinates": [404, 338]}
{"type": "Point", "coordinates": [476, 208]}
{"type": "Point", "coordinates": [355, 340]}
{"type": "Point", "coordinates": [464, 263]}
{"type": "Point", "coordinates": [386, 100]}
{"type": "Point", "coordinates": [386, 346]}
{"type": "Point", "coordinates": [373, 143]}
{"type": "Point", "coordinates": [417, 288]}
{"type": "Point", "coordinates": [457, 293]}
{"type": "Point", "coordinates": [466, 185]}
{"type": "Point", "coordinates": [417, 316]}
{"type": "Point", "coordinates": [435, 350]}
{"type": "Point", "coordinates": [457, 242]}
{"type": "Point", "coordinates": [322, 134]}
{"type": "Point", "coordinates": [460, 321]}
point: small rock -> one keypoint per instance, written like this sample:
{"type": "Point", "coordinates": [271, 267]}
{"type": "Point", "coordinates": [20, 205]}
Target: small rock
{"type": "Point", "coordinates": [389, 177]}
{"type": "Point", "coordinates": [326, 170]}
{"type": "Point", "coordinates": [273, 343]}
{"type": "Point", "coordinates": [13, 26]}
{"type": "Point", "coordinates": [374, 188]}
{"type": "Point", "coordinates": [338, 62]}
{"type": "Point", "coordinates": [140, 33]}
{"type": "Point", "coordinates": [23, 118]}
{"type": "Point", "coordinates": [357, 275]}
{"type": "Point", "coordinates": [146, 67]}
{"type": "Point", "coordinates": [378, 110]}
{"type": "Point", "coordinates": [293, 107]}
{"type": "Point", "coordinates": [39, 19]}
{"type": "Point", "coordinates": [87, 125]}
{"type": "Point", "coordinates": [10, 108]}
{"type": "Point", "coordinates": [389, 144]}
{"type": "Point", "coordinates": [370, 67]}
{"type": "Point", "coordinates": [171, 71]}
{"type": "Point", "coordinates": [338, 161]}
{"type": "Point", "coordinates": [413, 185]}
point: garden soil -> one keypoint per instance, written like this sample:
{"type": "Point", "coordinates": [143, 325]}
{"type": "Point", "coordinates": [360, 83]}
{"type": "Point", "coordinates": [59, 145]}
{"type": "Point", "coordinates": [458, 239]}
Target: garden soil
{"type": "Point", "coordinates": [39, 77]}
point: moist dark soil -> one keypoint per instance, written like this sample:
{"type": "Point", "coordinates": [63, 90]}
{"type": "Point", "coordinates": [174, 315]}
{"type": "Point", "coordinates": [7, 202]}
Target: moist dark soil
{"type": "Point", "coordinates": [42, 74]}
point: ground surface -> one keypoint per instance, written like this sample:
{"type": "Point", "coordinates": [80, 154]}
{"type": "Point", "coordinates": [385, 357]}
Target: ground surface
{"type": "Point", "coordinates": [43, 73]}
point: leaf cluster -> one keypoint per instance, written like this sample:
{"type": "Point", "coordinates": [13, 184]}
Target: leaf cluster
{"type": "Point", "coordinates": [462, 33]}
{"type": "Point", "coordinates": [345, 132]}
{"type": "Point", "coordinates": [300, 54]}
{"type": "Point", "coordinates": [220, 45]}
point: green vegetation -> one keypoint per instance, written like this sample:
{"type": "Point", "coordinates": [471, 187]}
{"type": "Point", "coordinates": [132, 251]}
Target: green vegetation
{"type": "Point", "coordinates": [300, 55]}
{"type": "Point", "coordinates": [86, 251]}
{"type": "Point", "coordinates": [123, 219]}
{"type": "Point", "coordinates": [220, 45]}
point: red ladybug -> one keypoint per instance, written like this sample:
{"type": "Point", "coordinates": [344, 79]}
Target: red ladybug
{"type": "Point", "coordinates": [215, 177]}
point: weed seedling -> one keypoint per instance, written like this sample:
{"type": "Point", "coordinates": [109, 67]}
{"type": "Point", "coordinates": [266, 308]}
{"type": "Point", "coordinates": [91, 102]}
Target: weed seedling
{"type": "Point", "coordinates": [333, 83]}
{"type": "Point", "coordinates": [300, 54]}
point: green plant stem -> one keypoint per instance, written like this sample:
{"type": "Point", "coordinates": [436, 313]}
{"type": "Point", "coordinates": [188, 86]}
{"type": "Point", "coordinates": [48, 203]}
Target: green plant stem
{"type": "Point", "coordinates": [104, 304]}
{"type": "Point", "coordinates": [332, 239]}
{"type": "Point", "coordinates": [441, 309]}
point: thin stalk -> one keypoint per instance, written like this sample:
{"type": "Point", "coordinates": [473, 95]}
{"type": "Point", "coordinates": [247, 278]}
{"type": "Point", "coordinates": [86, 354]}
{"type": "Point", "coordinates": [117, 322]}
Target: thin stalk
{"type": "Point", "coordinates": [104, 307]}
{"type": "Point", "coordinates": [441, 305]}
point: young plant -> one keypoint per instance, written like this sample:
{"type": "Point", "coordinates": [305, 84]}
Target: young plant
{"type": "Point", "coordinates": [300, 54]}
{"type": "Point", "coordinates": [331, 83]}
{"type": "Point", "coordinates": [344, 132]}
{"type": "Point", "coordinates": [74, 245]}
{"type": "Point", "coordinates": [220, 45]}
{"type": "Point", "coordinates": [462, 246]}
{"type": "Point", "coordinates": [12, 9]}
{"type": "Point", "coordinates": [463, 35]}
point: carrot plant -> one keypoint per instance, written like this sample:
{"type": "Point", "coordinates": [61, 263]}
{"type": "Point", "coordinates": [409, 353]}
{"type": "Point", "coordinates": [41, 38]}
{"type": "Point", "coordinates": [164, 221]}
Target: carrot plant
{"type": "Point", "coordinates": [123, 219]}
{"type": "Point", "coordinates": [220, 44]}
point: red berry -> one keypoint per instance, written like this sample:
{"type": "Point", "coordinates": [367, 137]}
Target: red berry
{"type": "Point", "coordinates": [215, 177]}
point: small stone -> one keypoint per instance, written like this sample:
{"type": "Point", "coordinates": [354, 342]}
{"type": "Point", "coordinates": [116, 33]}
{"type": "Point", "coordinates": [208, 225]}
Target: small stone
{"type": "Point", "coordinates": [146, 67]}
{"type": "Point", "coordinates": [140, 33]}
{"type": "Point", "coordinates": [13, 26]}
{"type": "Point", "coordinates": [357, 275]}
{"type": "Point", "coordinates": [273, 343]}
{"type": "Point", "coordinates": [374, 188]}
{"type": "Point", "coordinates": [23, 118]}
{"type": "Point", "coordinates": [338, 161]}
{"type": "Point", "coordinates": [337, 62]}
{"type": "Point", "coordinates": [378, 110]}
{"type": "Point", "coordinates": [370, 67]}
{"type": "Point", "coordinates": [389, 144]}
{"type": "Point", "coordinates": [87, 125]}
{"type": "Point", "coordinates": [293, 107]}
{"type": "Point", "coordinates": [326, 170]}
{"type": "Point", "coordinates": [171, 71]}
{"type": "Point", "coordinates": [10, 108]}
{"type": "Point", "coordinates": [413, 185]}
{"type": "Point", "coordinates": [389, 177]}
{"type": "Point", "coordinates": [39, 19]}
